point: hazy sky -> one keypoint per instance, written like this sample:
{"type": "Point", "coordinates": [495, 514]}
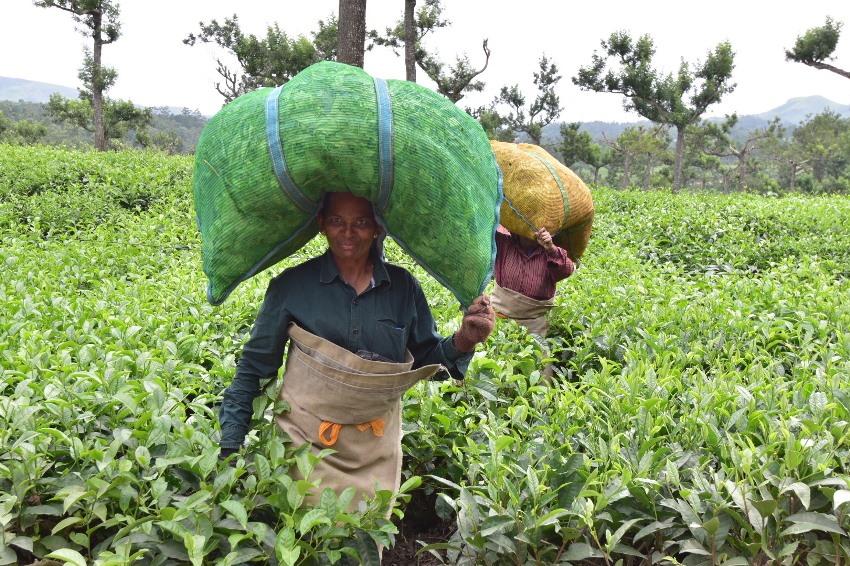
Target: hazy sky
{"type": "Point", "coordinates": [155, 68]}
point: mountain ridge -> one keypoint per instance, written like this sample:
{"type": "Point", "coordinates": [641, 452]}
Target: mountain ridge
{"type": "Point", "coordinates": [17, 90]}
{"type": "Point", "coordinates": [791, 113]}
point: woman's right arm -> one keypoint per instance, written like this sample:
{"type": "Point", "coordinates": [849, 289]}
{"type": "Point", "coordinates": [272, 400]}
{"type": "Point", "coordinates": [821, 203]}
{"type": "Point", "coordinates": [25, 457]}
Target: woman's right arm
{"type": "Point", "coordinates": [261, 358]}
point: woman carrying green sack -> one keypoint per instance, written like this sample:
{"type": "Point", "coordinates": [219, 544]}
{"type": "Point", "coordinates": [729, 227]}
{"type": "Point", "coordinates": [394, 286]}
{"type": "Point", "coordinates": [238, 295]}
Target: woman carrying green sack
{"type": "Point", "coordinates": [361, 333]}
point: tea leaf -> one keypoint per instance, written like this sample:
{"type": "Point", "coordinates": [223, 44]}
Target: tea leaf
{"type": "Point", "coordinates": [840, 497]}
{"type": "Point", "coordinates": [71, 557]}
{"type": "Point", "coordinates": [806, 522]}
{"type": "Point", "coordinates": [236, 509]}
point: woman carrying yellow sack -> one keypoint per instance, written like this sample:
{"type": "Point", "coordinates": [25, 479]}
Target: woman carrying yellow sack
{"type": "Point", "coordinates": [527, 272]}
{"type": "Point", "coordinates": [540, 194]}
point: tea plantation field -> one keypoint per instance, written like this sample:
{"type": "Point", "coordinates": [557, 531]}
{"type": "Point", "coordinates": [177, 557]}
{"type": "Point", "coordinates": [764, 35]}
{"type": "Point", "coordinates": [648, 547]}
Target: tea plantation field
{"type": "Point", "coordinates": [700, 414]}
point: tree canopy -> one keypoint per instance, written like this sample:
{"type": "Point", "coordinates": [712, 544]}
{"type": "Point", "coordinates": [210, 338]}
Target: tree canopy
{"type": "Point", "coordinates": [99, 20]}
{"type": "Point", "coordinates": [270, 60]}
{"type": "Point", "coordinates": [119, 116]}
{"type": "Point", "coordinates": [545, 107]}
{"type": "Point", "coordinates": [816, 46]}
{"type": "Point", "coordinates": [720, 143]}
{"type": "Point", "coordinates": [675, 100]}
{"type": "Point", "coordinates": [579, 146]}
{"type": "Point", "coordinates": [452, 81]}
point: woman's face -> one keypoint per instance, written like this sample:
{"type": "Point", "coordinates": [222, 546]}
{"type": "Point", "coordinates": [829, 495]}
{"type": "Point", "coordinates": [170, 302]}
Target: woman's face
{"type": "Point", "coordinates": [349, 224]}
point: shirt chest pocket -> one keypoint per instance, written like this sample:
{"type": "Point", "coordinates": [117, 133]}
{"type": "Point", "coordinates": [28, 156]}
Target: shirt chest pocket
{"type": "Point", "coordinates": [391, 338]}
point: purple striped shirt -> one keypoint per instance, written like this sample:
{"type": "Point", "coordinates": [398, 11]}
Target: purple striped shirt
{"type": "Point", "coordinates": [532, 274]}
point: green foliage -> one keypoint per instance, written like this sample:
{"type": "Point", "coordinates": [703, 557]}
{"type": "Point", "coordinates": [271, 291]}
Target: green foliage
{"type": "Point", "coordinates": [109, 384]}
{"type": "Point", "coordinates": [823, 141]}
{"type": "Point", "coordinates": [812, 158]}
{"type": "Point", "coordinates": [168, 131]}
{"type": "Point", "coordinates": [493, 123]}
{"type": "Point", "coordinates": [57, 134]}
{"type": "Point", "coordinates": [578, 148]}
{"type": "Point", "coordinates": [575, 145]}
{"type": "Point", "coordinates": [660, 98]}
{"type": "Point", "coordinates": [98, 19]}
{"type": "Point", "coordinates": [427, 19]}
{"type": "Point", "coordinates": [545, 107]}
{"type": "Point", "coordinates": [675, 100]}
{"type": "Point", "coordinates": [95, 78]}
{"type": "Point", "coordinates": [817, 45]}
{"type": "Point", "coordinates": [22, 132]}
{"type": "Point", "coordinates": [699, 413]}
{"type": "Point", "coordinates": [56, 192]}
{"type": "Point", "coordinates": [119, 116]}
{"type": "Point", "coordinates": [453, 83]}
{"type": "Point", "coordinates": [265, 61]}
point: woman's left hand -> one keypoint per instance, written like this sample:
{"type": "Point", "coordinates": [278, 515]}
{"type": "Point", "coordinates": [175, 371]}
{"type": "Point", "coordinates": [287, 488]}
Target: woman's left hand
{"type": "Point", "coordinates": [544, 239]}
{"type": "Point", "coordinates": [477, 324]}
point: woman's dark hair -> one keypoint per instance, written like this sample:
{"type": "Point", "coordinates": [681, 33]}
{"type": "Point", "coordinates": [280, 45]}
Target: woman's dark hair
{"type": "Point", "coordinates": [326, 200]}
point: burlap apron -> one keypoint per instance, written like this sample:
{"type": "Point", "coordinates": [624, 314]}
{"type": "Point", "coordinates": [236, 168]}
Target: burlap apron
{"type": "Point", "coordinates": [341, 401]}
{"type": "Point", "coordinates": [530, 313]}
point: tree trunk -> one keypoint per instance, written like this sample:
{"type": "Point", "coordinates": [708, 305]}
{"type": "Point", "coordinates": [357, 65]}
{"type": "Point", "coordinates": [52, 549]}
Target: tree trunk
{"type": "Point", "coordinates": [680, 153]}
{"type": "Point", "coordinates": [793, 176]}
{"type": "Point", "coordinates": [97, 84]}
{"type": "Point", "coordinates": [627, 164]}
{"type": "Point", "coordinates": [647, 174]}
{"type": "Point", "coordinates": [351, 44]}
{"type": "Point", "coordinates": [819, 170]}
{"type": "Point", "coordinates": [742, 163]}
{"type": "Point", "coordinates": [596, 175]}
{"type": "Point", "coordinates": [410, 40]}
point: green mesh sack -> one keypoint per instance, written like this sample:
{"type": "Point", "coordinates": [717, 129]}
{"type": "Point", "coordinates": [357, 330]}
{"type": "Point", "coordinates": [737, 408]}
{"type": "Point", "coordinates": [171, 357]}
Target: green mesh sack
{"type": "Point", "coordinates": [265, 160]}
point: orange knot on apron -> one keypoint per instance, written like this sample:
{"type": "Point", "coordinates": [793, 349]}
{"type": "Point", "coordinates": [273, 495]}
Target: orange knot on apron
{"type": "Point", "coordinates": [376, 425]}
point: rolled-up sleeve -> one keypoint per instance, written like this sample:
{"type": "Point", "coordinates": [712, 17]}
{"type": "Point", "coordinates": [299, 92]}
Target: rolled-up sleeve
{"type": "Point", "coordinates": [559, 263]}
{"type": "Point", "coordinates": [429, 347]}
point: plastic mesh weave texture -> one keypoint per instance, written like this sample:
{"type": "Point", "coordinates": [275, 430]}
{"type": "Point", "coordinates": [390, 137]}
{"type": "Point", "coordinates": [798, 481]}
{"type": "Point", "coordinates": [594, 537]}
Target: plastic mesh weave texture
{"type": "Point", "coordinates": [541, 192]}
{"type": "Point", "coordinates": [265, 160]}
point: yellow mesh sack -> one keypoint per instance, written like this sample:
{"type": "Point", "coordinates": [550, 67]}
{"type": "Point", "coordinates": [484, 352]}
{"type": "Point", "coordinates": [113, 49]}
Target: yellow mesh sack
{"type": "Point", "coordinates": [542, 192]}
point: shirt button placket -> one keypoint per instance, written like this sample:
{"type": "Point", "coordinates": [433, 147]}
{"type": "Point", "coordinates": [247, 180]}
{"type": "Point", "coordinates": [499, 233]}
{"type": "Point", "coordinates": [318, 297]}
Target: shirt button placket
{"type": "Point", "coordinates": [354, 337]}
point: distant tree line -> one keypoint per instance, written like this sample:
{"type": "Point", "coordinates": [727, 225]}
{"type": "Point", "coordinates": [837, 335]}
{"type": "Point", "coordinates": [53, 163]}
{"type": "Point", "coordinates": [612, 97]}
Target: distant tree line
{"type": "Point", "coordinates": [812, 157]}
{"type": "Point", "coordinates": [29, 123]}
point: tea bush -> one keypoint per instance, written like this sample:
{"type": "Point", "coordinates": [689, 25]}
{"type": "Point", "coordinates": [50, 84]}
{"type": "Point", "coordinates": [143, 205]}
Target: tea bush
{"type": "Point", "coordinates": [699, 415]}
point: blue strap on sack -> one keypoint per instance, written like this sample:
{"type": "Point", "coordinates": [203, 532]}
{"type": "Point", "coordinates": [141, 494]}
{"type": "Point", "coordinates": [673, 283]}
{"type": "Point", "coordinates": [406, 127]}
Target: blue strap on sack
{"type": "Point", "coordinates": [281, 170]}
{"type": "Point", "coordinates": [386, 164]}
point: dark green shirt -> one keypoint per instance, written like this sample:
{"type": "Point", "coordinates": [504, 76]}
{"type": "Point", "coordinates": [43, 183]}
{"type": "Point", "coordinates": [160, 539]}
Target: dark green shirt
{"type": "Point", "coordinates": [390, 317]}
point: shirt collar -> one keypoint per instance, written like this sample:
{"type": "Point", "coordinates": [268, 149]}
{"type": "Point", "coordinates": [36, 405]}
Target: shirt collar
{"type": "Point", "coordinates": [329, 270]}
{"type": "Point", "coordinates": [521, 248]}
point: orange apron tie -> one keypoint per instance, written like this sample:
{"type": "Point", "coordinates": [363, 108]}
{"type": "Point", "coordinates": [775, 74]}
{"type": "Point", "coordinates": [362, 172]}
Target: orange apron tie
{"type": "Point", "coordinates": [334, 428]}
{"type": "Point", "coordinates": [376, 425]}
